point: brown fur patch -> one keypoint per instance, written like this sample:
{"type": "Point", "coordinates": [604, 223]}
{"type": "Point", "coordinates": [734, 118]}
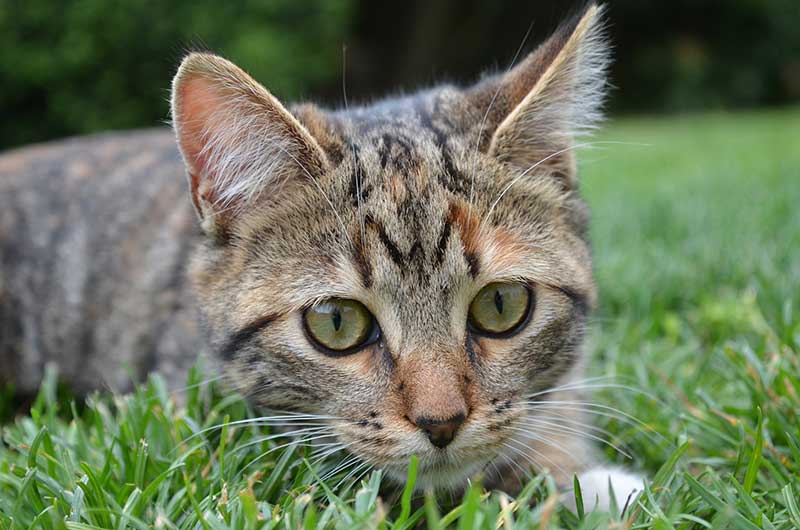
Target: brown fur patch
{"type": "Point", "coordinates": [508, 249]}
{"type": "Point", "coordinates": [469, 229]}
{"type": "Point", "coordinates": [431, 389]}
{"type": "Point", "coordinates": [361, 260]}
{"type": "Point", "coordinates": [397, 188]}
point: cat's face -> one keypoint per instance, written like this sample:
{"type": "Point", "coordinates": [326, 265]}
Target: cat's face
{"type": "Point", "coordinates": [412, 270]}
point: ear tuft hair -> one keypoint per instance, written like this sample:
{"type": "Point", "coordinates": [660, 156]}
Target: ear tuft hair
{"type": "Point", "coordinates": [237, 140]}
{"type": "Point", "coordinates": [553, 97]}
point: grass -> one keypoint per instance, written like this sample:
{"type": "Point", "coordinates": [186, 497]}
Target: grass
{"type": "Point", "coordinates": [697, 244]}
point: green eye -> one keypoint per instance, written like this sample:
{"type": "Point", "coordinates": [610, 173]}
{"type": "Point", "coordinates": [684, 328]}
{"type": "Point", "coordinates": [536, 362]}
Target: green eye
{"type": "Point", "coordinates": [338, 326]}
{"type": "Point", "coordinates": [500, 308]}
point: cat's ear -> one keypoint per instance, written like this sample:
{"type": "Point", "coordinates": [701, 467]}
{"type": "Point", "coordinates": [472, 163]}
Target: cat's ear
{"type": "Point", "coordinates": [238, 142]}
{"type": "Point", "coordinates": [539, 108]}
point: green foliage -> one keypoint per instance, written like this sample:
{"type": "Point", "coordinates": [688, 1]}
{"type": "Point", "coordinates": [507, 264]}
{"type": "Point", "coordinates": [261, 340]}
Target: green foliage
{"type": "Point", "coordinates": [701, 54]}
{"type": "Point", "coordinates": [87, 65]}
{"type": "Point", "coordinates": [79, 66]}
{"type": "Point", "coordinates": [697, 242]}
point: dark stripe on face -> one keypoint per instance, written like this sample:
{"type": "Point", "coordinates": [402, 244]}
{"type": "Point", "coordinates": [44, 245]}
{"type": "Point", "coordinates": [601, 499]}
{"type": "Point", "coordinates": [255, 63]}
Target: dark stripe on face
{"type": "Point", "coordinates": [387, 358]}
{"type": "Point", "coordinates": [441, 247]}
{"type": "Point", "coordinates": [401, 159]}
{"type": "Point", "coordinates": [469, 345]}
{"type": "Point", "coordinates": [451, 179]}
{"type": "Point", "coordinates": [416, 253]}
{"type": "Point", "coordinates": [362, 263]}
{"type": "Point", "coordinates": [579, 300]}
{"type": "Point", "coordinates": [359, 189]}
{"type": "Point", "coordinates": [391, 248]}
{"type": "Point", "coordinates": [554, 349]}
{"type": "Point", "coordinates": [241, 338]}
{"type": "Point", "coordinates": [473, 263]}
{"type": "Point", "coordinates": [468, 228]}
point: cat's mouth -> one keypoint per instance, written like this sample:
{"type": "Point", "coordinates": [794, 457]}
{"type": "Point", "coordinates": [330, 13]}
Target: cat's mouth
{"type": "Point", "coordinates": [438, 472]}
{"type": "Point", "coordinates": [449, 469]}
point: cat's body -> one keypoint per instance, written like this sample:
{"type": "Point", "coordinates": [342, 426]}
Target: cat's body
{"type": "Point", "coordinates": [399, 216]}
{"type": "Point", "coordinates": [96, 234]}
{"type": "Point", "coordinates": [94, 239]}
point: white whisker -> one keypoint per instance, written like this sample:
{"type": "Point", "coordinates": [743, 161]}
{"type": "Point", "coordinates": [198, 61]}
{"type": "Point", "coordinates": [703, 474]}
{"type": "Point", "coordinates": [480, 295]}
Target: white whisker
{"type": "Point", "coordinates": [537, 437]}
{"type": "Point", "coordinates": [594, 386]}
{"type": "Point", "coordinates": [340, 467]}
{"type": "Point", "coordinates": [295, 420]}
{"type": "Point", "coordinates": [533, 463]}
{"type": "Point", "coordinates": [570, 384]}
{"type": "Point", "coordinates": [356, 480]}
{"type": "Point", "coordinates": [555, 428]}
{"type": "Point", "coordinates": [483, 122]}
{"type": "Point", "coordinates": [351, 473]}
{"type": "Point", "coordinates": [553, 414]}
{"type": "Point", "coordinates": [596, 409]}
{"type": "Point", "coordinates": [197, 385]}
{"type": "Point", "coordinates": [301, 441]}
{"type": "Point", "coordinates": [589, 404]}
{"type": "Point", "coordinates": [289, 434]}
{"type": "Point", "coordinates": [320, 455]}
{"type": "Point", "coordinates": [537, 164]}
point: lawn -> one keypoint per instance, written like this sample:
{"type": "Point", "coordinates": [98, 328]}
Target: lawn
{"type": "Point", "coordinates": [696, 235]}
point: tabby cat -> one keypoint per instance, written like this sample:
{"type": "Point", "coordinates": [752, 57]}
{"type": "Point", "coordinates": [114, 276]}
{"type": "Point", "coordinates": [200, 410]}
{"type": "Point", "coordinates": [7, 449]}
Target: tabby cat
{"type": "Point", "coordinates": [416, 270]}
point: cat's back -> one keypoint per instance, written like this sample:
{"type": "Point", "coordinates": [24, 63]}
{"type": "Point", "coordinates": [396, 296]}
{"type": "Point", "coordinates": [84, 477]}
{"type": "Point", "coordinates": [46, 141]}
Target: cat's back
{"type": "Point", "coordinates": [94, 236]}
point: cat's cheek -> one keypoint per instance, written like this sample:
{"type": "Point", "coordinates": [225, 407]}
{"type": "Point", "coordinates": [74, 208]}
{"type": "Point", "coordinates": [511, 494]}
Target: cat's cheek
{"type": "Point", "coordinates": [380, 443]}
{"type": "Point", "coordinates": [549, 306]}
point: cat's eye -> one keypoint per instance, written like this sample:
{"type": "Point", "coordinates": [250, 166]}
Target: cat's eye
{"type": "Point", "coordinates": [500, 309]}
{"type": "Point", "coordinates": [339, 326]}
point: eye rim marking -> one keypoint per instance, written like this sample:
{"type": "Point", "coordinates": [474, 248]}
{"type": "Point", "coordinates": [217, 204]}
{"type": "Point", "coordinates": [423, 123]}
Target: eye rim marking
{"type": "Point", "coordinates": [373, 336]}
{"type": "Point", "coordinates": [516, 328]}
{"type": "Point", "coordinates": [243, 336]}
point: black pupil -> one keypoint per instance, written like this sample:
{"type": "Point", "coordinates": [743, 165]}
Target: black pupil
{"type": "Point", "coordinates": [498, 301]}
{"type": "Point", "coordinates": [337, 319]}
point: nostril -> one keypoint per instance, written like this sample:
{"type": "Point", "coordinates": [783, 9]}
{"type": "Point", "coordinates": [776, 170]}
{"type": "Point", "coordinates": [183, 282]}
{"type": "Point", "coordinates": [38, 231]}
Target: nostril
{"type": "Point", "coordinates": [440, 437]}
{"type": "Point", "coordinates": [441, 432]}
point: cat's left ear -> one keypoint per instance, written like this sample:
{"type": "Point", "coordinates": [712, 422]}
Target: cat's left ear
{"type": "Point", "coordinates": [539, 108]}
{"type": "Point", "coordinates": [238, 142]}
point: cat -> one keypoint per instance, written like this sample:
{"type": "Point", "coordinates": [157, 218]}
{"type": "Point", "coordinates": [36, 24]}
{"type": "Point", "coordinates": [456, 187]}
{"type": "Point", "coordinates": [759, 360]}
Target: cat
{"type": "Point", "coordinates": [417, 268]}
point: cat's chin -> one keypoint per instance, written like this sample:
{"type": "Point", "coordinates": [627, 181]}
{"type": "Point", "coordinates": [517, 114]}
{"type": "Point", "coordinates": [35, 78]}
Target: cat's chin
{"type": "Point", "coordinates": [438, 473]}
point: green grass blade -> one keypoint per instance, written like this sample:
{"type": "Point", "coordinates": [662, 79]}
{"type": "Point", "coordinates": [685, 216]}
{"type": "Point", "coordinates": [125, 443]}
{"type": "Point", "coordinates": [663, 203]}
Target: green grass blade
{"type": "Point", "coordinates": [791, 504]}
{"type": "Point", "coordinates": [576, 485]}
{"type": "Point", "coordinates": [755, 459]}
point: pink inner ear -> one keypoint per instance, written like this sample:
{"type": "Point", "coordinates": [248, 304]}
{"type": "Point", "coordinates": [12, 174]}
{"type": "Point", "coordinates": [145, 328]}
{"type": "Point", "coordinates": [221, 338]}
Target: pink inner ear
{"type": "Point", "coordinates": [196, 104]}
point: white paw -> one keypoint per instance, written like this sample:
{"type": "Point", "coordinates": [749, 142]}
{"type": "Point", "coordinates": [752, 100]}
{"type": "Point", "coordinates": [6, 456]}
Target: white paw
{"type": "Point", "coordinates": [595, 488]}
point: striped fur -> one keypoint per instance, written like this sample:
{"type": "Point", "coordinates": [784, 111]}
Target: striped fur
{"type": "Point", "coordinates": [409, 205]}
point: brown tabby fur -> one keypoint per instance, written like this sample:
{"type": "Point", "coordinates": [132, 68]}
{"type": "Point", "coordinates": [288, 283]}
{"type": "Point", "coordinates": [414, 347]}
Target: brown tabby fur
{"type": "Point", "coordinates": [409, 205]}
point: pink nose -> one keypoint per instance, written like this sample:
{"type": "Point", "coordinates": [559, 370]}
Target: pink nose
{"type": "Point", "coordinates": [440, 431]}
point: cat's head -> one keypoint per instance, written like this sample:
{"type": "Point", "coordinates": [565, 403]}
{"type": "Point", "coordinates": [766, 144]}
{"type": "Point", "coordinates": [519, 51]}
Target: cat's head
{"type": "Point", "coordinates": [414, 268]}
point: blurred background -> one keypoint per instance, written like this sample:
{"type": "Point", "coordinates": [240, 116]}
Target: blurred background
{"type": "Point", "coordinates": [74, 67]}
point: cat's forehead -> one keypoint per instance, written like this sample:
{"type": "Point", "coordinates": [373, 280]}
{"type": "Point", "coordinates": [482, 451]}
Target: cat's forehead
{"type": "Point", "coordinates": [407, 154]}
{"type": "Point", "coordinates": [406, 215]}
{"type": "Point", "coordinates": [393, 199]}
{"type": "Point", "coordinates": [399, 128]}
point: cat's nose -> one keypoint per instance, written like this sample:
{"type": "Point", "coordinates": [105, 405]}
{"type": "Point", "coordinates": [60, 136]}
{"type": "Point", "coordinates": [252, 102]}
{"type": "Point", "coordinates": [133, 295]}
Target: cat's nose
{"type": "Point", "coordinates": [440, 431]}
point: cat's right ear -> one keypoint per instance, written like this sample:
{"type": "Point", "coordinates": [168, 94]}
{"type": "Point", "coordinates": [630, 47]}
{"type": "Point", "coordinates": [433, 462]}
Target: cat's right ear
{"type": "Point", "coordinates": [238, 142]}
{"type": "Point", "coordinates": [535, 112]}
